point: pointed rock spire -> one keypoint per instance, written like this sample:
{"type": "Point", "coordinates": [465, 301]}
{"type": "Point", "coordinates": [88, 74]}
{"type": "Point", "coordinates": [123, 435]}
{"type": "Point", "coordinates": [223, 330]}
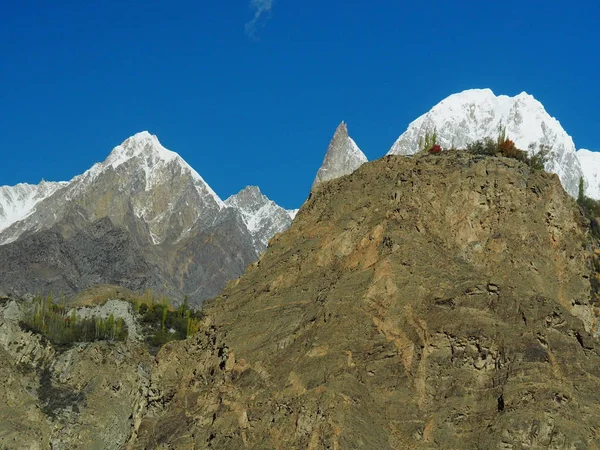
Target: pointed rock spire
{"type": "Point", "coordinates": [342, 158]}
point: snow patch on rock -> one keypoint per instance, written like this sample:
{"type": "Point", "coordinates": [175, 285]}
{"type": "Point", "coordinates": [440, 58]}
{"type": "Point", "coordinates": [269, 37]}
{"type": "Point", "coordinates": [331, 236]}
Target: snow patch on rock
{"type": "Point", "coordinates": [590, 165]}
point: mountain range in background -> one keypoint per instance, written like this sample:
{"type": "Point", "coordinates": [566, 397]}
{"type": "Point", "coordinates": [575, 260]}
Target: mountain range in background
{"type": "Point", "coordinates": [142, 219]}
{"type": "Point", "coordinates": [475, 114]}
{"type": "Point", "coordinates": [145, 219]}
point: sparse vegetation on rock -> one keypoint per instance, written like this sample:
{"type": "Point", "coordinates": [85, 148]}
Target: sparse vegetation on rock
{"type": "Point", "coordinates": [160, 321]}
{"type": "Point", "coordinates": [429, 141]}
{"type": "Point", "coordinates": [63, 328]}
{"type": "Point", "coordinates": [503, 146]}
{"type": "Point", "coordinates": [163, 323]}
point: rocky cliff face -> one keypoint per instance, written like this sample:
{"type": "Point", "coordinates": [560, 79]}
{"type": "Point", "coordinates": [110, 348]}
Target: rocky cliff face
{"type": "Point", "coordinates": [431, 302]}
{"type": "Point", "coordinates": [343, 157]}
{"type": "Point", "coordinates": [477, 113]}
{"type": "Point", "coordinates": [17, 202]}
{"type": "Point", "coordinates": [263, 217]}
{"type": "Point", "coordinates": [99, 253]}
{"type": "Point", "coordinates": [89, 396]}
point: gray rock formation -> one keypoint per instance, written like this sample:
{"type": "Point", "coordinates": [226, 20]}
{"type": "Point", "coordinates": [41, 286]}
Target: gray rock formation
{"type": "Point", "coordinates": [342, 158]}
{"type": "Point", "coordinates": [141, 219]}
{"type": "Point", "coordinates": [17, 202]}
{"type": "Point", "coordinates": [141, 179]}
{"type": "Point", "coordinates": [100, 253]}
{"type": "Point", "coordinates": [263, 217]}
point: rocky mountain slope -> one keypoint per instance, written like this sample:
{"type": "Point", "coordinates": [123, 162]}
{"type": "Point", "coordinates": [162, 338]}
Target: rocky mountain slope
{"type": "Point", "coordinates": [477, 113]}
{"type": "Point", "coordinates": [140, 180]}
{"type": "Point", "coordinates": [88, 396]}
{"type": "Point", "coordinates": [142, 219]}
{"type": "Point", "coordinates": [263, 217]}
{"type": "Point", "coordinates": [343, 157]}
{"type": "Point", "coordinates": [440, 301]}
{"type": "Point", "coordinates": [17, 202]}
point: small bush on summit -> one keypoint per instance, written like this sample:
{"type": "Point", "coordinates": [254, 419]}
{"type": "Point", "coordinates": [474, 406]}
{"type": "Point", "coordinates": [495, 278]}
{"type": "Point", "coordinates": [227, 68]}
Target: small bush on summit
{"type": "Point", "coordinates": [485, 147]}
{"type": "Point", "coordinates": [435, 149]}
{"type": "Point", "coordinates": [538, 159]}
{"type": "Point", "coordinates": [429, 141]}
{"type": "Point", "coordinates": [508, 149]}
{"type": "Point", "coordinates": [503, 146]}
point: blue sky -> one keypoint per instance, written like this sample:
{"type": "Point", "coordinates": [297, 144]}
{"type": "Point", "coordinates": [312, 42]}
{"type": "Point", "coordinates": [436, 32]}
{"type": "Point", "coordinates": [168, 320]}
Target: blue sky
{"type": "Point", "coordinates": [257, 102]}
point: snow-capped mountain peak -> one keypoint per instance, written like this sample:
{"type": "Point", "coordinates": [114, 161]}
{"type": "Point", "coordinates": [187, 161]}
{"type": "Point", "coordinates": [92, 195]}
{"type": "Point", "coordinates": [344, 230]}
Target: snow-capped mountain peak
{"type": "Point", "coordinates": [263, 217]}
{"type": "Point", "coordinates": [342, 158]}
{"type": "Point", "coordinates": [478, 113]}
{"type": "Point", "coordinates": [143, 152]}
{"type": "Point", "coordinates": [142, 145]}
{"type": "Point", "coordinates": [140, 178]}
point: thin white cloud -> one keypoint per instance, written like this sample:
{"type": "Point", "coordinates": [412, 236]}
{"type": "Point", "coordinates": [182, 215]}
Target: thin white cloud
{"type": "Point", "coordinates": [262, 10]}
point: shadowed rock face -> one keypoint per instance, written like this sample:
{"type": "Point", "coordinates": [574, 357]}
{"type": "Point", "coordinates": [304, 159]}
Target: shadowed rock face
{"type": "Point", "coordinates": [431, 302]}
{"type": "Point", "coordinates": [198, 266]}
{"type": "Point", "coordinates": [100, 253]}
{"type": "Point", "coordinates": [343, 157]}
{"type": "Point", "coordinates": [206, 260]}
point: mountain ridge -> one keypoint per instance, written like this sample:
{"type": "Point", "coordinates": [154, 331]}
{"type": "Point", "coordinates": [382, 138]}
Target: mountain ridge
{"type": "Point", "coordinates": [473, 114]}
{"type": "Point", "coordinates": [160, 208]}
{"type": "Point", "coordinates": [422, 302]}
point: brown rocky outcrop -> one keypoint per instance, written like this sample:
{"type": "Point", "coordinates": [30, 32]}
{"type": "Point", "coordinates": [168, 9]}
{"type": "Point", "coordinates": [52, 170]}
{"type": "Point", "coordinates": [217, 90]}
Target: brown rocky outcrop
{"type": "Point", "coordinates": [88, 396]}
{"type": "Point", "coordinates": [430, 302]}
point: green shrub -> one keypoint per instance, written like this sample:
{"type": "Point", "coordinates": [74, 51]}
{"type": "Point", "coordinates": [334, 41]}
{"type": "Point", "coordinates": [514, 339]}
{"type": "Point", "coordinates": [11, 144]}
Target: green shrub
{"type": "Point", "coordinates": [163, 323]}
{"type": "Point", "coordinates": [538, 160]}
{"type": "Point", "coordinates": [429, 141]}
{"type": "Point", "coordinates": [485, 146]}
{"type": "Point", "coordinates": [589, 206]}
{"type": "Point", "coordinates": [503, 146]}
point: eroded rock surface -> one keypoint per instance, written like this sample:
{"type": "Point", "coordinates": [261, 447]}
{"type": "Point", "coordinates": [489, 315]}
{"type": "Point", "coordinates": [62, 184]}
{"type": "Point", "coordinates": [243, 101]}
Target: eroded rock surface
{"type": "Point", "coordinates": [432, 302]}
{"type": "Point", "coordinates": [89, 396]}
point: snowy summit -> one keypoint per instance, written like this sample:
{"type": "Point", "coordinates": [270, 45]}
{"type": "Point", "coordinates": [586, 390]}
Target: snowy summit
{"type": "Point", "coordinates": [478, 113]}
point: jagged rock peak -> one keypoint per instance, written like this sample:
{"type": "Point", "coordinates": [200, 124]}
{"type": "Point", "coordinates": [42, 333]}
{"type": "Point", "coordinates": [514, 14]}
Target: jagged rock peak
{"type": "Point", "coordinates": [342, 158]}
{"type": "Point", "coordinates": [249, 197]}
{"type": "Point", "coordinates": [140, 144]}
{"type": "Point", "coordinates": [143, 152]}
{"type": "Point", "coordinates": [262, 216]}
{"type": "Point", "coordinates": [474, 114]}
